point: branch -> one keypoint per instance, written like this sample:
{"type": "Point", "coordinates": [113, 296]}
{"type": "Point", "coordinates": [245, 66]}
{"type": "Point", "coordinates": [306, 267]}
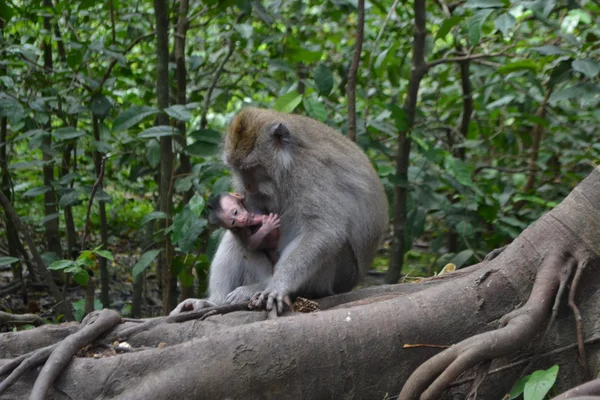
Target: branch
{"type": "Point", "coordinates": [353, 71]}
{"type": "Point", "coordinates": [213, 83]}
{"type": "Point", "coordinates": [91, 200]}
{"type": "Point", "coordinates": [445, 60]}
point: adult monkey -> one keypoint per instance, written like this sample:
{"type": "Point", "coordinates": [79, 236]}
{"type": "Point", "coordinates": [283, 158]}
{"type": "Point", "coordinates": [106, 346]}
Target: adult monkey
{"type": "Point", "coordinates": [332, 207]}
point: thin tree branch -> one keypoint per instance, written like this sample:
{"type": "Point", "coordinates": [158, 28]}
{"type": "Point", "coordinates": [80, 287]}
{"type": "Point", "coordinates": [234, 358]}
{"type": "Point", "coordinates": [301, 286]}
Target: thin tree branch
{"type": "Point", "coordinates": [353, 71]}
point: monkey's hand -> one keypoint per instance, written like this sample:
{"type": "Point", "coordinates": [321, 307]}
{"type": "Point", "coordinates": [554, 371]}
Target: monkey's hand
{"type": "Point", "coordinates": [271, 222]}
{"type": "Point", "coordinates": [192, 305]}
{"type": "Point", "coordinates": [269, 298]}
{"type": "Point", "coordinates": [241, 294]}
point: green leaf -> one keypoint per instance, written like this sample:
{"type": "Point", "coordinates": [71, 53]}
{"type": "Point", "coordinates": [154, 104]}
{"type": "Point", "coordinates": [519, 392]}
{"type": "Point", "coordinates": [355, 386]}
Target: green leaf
{"type": "Point", "coordinates": [8, 260]}
{"type": "Point", "coordinates": [6, 12]}
{"type": "Point", "coordinates": [196, 204]}
{"type": "Point", "coordinates": [36, 191]}
{"type": "Point", "coordinates": [67, 133]}
{"type": "Point", "coordinates": [61, 264]}
{"type": "Point", "coordinates": [179, 112]}
{"type": "Point", "coordinates": [105, 253]}
{"type": "Point", "coordinates": [222, 185]}
{"type": "Point", "coordinates": [460, 170]}
{"type": "Point", "coordinates": [81, 277]}
{"type": "Point", "coordinates": [186, 229]}
{"type": "Point", "coordinates": [315, 109]}
{"type": "Point", "coordinates": [588, 67]}
{"type": "Point", "coordinates": [245, 30]}
{"type": "Point", "coordinates": [101, 106]}
{"type": "Point", "coordinates": [7, 81]}
{"type": "Point", "coordinates": [483, 4]}
{"type": "Point", "coordinates": [288, 102]}
{"type": "Point", "coordinates": [461, 258]}
{"type": "Point", "coordinates": [69, 199]}
{"type": "Point", "coordinates": [518, 387]}
{"type": "Point", "coordinates": [207, 143]}
{"type": "Point", "coordinates": [153, 216]}
{"type": "Point", "coordinates": [475, 24]}
{"type": "Point", "coordinates": [153, 154]}
{"type": "Point", "coordinates": [144, 261]}
{"type": "Point", "coordinates": [540, 383]}
{"type": "Point", "coordinates": [578, 90]}
{"type": "Point", "coordinates": [505, 22]}
{"type": "Point", "coordinates": [132, 116]}
{"type": "Point", "coordinates": [549, 50]}
{"type": "Point", "coordinates": [399, 115]}
{"type": "Point", "coordinates": [448, 24]}
{"type": "Point", "coordinates": [520, 65]}
{"type": "Point", "coordinates": [323, 79]}
{"type": "Point", "coordinates": [158, 131]}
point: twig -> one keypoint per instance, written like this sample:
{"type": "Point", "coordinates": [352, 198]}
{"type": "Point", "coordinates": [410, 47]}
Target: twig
{"type": "Point", "coordinates": [91, 200]}
{"type": "Point", "coordinates": [213, 84]}
{"type": "Point", "coordinates": [469, 57]}
{"type": "Point", "coordinates": [578, 322]}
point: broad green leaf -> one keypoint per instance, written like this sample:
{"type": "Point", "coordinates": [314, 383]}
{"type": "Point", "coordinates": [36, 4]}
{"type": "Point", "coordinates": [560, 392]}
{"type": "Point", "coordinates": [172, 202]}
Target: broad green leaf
{"type": "Point", "coordinates": [62, 264]}
{"type": "Point", "coordinates": [501, 102]}
{"type": "Point", "coordinates": [460, 170]}
{"type": "Point", "coordinates": [105, 253]}
{"type": "Point", "coordinates": [540, 383]}
{"type": "Point", "coordinates": [153, 154]}
{"type": "Point", "coordinates": [207, 143]}
{"type": "Point", "coordinates": [518, 387]}
{"type": "Point", "coordinates": [179, 112]}
{"type": "Point", "coordinates": [67, 133]}
{"type": "Point", "coordinates": [183, 184]}
{"type": "Point", "coordinates": [132, 116]}
{"type": "Point", "coordinates": [7, 81]}
{"type": "Point", "coordinates": [549, 50]}
{"type": "Point", "coordinates": [36, 191]}
{"type": "Point", "coordinates": [578, 90]}
{"type": "Point", "coordinates": [520, 65]}
{"type": "Point", "coordinates": [81, 277]}
{"type": "Point", "coordinates": [505, 22]}
{"type": "Point", "coordinates": [213, 243]}
{"type": "Point", "coordinates": [69, 199]}
{"type": "Point", "coordinates": [535, 200]}
{"type": "Point", "coordinates": [461, 258]}
{"type": "Point", "coordinates": [323, 79]}
{"type": "Point", "coordinates": [245, 30]}
{"type": "Point", "coordinates": [144, 261]}
{"type": "Point", "coordinates": [6, 12]}
{"type": "Point", "coordinates": [222, 184]}
{"type": "Point", "coordinates": [484, 4]}
{"type": "Point", "coordinates": [588, 67]}
{"type": "Point", "coordinates": [153, 216]}
{"type": "Point", "coordinates": [475, 24]}
{"type": "Point", "coordinates": [315, 109]}
{"type": "Point", "coordinates": [101, 106]}
{"type": "Point", "coordinates": [196, 204]}
{"type": "Point", "coordinates": [26, 165]}
{"type": "Point", "coordinates": [186, 229]}
{"type": "Point", "coordinates": [101, 147]}
{"type": "Point", "coordinates": [399, 116]}
{"type": "Point", "coordinates": [11, 108]}
{"type": "Point", "coordinates": [288, 102]}
{"type": "Point", "coordinates": [158, 131]}
{"type": "Point", "coordinates": [8, 260]}
{"type": "Point", "coordinates": [448, 24]}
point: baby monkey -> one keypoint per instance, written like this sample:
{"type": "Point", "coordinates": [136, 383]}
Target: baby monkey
{"type": "Point", "coordinates": [255, 231]}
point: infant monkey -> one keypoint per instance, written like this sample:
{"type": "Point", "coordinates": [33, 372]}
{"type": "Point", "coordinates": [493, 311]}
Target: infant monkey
{"type": "Point", "coordinates": [255, 231]}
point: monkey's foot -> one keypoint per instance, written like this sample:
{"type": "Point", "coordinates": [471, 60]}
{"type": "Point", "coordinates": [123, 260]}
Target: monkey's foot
{"type": "Point", "coordinates": [241, 294]}
{"type": "Point", "coordinates": [192, 305]}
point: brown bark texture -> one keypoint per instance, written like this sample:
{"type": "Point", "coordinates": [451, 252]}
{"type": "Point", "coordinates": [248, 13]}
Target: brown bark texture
{"type": "Point", "coordinates": [416, 339]}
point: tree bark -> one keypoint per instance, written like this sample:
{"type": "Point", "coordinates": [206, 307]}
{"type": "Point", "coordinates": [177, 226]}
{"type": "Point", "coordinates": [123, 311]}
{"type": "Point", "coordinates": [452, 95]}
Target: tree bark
{"type": "Point", "coordinates": [169, 285]}
{"type": "Point", "coordinates": [353, 71]}
{"type": "Point", "coordinates": [403, 153]}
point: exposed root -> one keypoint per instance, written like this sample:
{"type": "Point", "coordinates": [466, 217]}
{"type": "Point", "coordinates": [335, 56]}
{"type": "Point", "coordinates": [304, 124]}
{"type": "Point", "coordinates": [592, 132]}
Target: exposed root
{"type": "Point", "coordinates": [516, 330]}
{"type": "Point", "coordinates": [20, 319]}
{"type": "Point", "coordinates": [95, 324]}
{"type": "Point", "coordinates": [587, 390]}
{"type": "Point", "coordinates": [57, 356]}
{"type": "Point", "coordinates": [578, 322]}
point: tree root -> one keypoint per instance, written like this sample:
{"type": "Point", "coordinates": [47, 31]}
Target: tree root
{"type": "Point", "coordinates": [589, 390]}
{"type": "Point", "coordinates": [57, 356]}
{"type": "Point", "coordinates": [516, 330]}
{"type": "Point", "coordinates": [20, 319]}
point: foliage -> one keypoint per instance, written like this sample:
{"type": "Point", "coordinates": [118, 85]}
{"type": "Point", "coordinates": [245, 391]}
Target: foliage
{"type": "Point", "coordinates": [79, 268]}
{"type": "Point", "coordinates": [536, 385]}
{"type": "Point", "coordinates": [468, 184]}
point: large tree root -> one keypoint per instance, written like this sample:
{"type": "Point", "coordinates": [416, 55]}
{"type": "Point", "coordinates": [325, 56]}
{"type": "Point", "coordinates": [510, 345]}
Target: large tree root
{"type": "Point", "coordinates": [516, 330]}
{"type": "Point", "coordinates": [58, 356]}
{"type": "Point", "coordinates": [589, 390]}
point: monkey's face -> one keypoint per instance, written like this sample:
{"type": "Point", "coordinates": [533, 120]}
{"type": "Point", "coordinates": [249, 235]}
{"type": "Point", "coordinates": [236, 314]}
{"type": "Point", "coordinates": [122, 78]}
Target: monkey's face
{"type": "Point", "coordinates": [233, 213]}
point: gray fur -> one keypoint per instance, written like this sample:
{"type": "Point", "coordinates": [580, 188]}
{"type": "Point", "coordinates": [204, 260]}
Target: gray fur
{"type": "Point", "coordinates": [332, 206]}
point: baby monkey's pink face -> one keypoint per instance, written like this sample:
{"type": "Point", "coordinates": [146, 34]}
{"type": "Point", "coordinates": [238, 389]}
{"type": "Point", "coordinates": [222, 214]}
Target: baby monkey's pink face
{"type": "Point", "coordinates": [234, 214]}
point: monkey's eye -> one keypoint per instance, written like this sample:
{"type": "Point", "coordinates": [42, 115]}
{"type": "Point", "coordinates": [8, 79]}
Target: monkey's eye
{"type": "Point", "coordinates": [235, 213]}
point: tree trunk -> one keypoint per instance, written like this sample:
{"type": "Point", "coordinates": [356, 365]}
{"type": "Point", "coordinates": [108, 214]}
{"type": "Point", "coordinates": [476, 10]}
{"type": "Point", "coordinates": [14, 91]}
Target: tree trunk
{"type": "Point", "coordinates": [169, 285]}
{"type": "Point", "coordinates": [368, 348]}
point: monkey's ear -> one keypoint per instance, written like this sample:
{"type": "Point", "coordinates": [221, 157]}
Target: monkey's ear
{"type": "Point", "coordinates": [236, 195]}
{"type": "Point", "coordinates": [280, 133]}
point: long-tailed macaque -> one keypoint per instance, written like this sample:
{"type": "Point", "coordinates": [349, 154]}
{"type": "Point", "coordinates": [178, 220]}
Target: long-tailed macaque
{"type": "Point", "coordinates": [332, 206]}
{"type": "Point", "coordinates": [256, 231]}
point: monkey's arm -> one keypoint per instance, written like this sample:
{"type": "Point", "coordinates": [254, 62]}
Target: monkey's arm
{"type": "Point", "coordinates": [299, 266]}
